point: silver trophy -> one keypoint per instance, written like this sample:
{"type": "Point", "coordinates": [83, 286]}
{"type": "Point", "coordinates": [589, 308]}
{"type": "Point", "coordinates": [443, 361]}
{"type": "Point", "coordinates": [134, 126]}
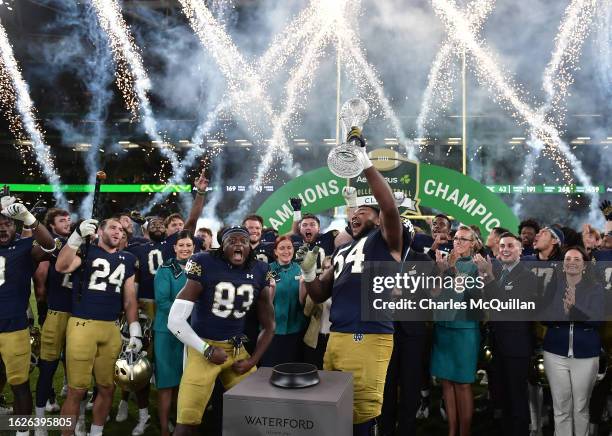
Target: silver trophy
{"type": "Point", "coordinates": [342, 160]}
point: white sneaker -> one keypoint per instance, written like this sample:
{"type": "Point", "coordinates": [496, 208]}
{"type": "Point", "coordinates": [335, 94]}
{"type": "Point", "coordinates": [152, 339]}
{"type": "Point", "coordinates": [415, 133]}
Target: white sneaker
{"type": "Point", "coordinates": [80, 429]}
{"type": "Point", "coordinates": [122, 412]}
{"type": "Point", "coordinates": [141, 426]}
{"type": "Point", "coordinates": [64, 392]}
{"type": "Point", "coordinates": [52, 407]}
{"type": "Point", "coordinates": [170, 427]}
{"type": "Point", "coordinates": [6, 410]}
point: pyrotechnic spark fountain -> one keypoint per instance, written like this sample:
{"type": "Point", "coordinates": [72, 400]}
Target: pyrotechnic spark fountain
{"type": "Point", "coordinates": [442, 75]}
{"type": "Point", "coordinates": [132, 78]}
{"type": "Point", "coordinates": [558, 77]}
{"type": "Point", "coordinates": [276, 56]}
{"type": "Point", "coordinates": [298, 85]}
{"type": "Point", "coordinates": [244, 87]}
{"type": "Point", "coordinates": [98, 76]}
{"type": "Point", "coordinates": [489, 74]}
{"type": "Point", "coordinates": [20, 98]}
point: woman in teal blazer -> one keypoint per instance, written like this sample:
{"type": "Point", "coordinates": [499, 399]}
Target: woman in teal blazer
{"type": "Point", "coordinates": [454, 354]}
{"type": "Point", "coordinates": [168, 350]}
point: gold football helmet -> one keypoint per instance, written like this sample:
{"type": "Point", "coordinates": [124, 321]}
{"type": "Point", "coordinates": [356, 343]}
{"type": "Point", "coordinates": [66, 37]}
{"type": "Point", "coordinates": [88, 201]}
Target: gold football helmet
{"type": "Point", "coordinates": [133, 371]}
{"type": "Point", "coordinates": [537, 374]}
{"type": "Point", "coordinates": [35, 347]}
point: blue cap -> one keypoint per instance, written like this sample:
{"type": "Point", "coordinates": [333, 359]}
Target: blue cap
{"type": "Point", "coordinates": [556, 234]}
{"type": "Point", "coordinates": [240, 230]}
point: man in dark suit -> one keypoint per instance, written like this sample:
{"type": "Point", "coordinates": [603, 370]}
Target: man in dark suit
{"type": "Point", "coordinates": [512, 336]}
{"type": "Point", "coordinates": [405, 371]}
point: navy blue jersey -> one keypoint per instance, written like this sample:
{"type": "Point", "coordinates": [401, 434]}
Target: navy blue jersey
{"type": "Point", "coordinates": [16, 270]}
{"type": "Point", "coordinates": [105, 274]}
{"type": "Point", "coordinates": [422, 244]}
{"type": "Point", "coordinates": [528, 251]}
{"type": "Point", "coordinates": [264, 252]}
{"type": "Point", "coordinates": [546, 270]}
{"type": "Point", "coordinates": [325, 242]}
{"type": "Point", "coordinates": [167, 246]}
{"type": "Point", "coordinates": [137, 240]}
{"type": "Point", "coordinates": [345, 312]}
{"type": "Point", "coordinates": [150, 257]}
{"type": "Point", "coordinates": [227, 294]}
{"type": "Point", "coordinates": [58, 286]}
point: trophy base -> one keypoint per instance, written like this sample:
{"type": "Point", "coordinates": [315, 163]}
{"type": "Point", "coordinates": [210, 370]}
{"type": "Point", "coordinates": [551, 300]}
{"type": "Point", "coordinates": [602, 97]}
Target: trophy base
{"type": "Point", "coordinates": [343, 161]}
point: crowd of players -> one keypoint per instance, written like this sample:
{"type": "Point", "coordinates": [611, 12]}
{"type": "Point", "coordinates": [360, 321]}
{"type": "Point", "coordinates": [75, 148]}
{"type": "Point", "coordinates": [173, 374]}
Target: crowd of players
{"type": "Point", "coordinates": [89, 275]}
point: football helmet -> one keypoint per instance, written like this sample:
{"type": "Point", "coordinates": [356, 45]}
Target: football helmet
{"type": "Point", "coordinates": [34, 347]}
{"type": "Point", "coordinates": [146, 325]}
{"type": "Point", "coordinates": [537, 374]}
{"type": "Point", "coordinates": [133, 371]}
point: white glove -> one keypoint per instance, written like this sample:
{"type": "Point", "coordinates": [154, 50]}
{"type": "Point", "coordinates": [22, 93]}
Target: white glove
{"type": "Point", "coordinates": [86, 229]}
{"type": "Point", "coordinates": [135, 344]}
{"type": "Point", "coordinates": [7, 200]}
{"type": "Point", "coordinates": [399, 197]}
{"type": "Point", "coordinates": [350, 196]}
{"type": "Point", "coordinates": [19, 212]}
{"type": "Point", "coordinates": [308, 261]}
{"type": "Point", "coordinates": [363, 157]}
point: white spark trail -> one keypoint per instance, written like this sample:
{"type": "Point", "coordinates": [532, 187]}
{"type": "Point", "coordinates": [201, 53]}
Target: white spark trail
{"type": "Point", "coordinates": [132, 78]}
{"type": "Point", "coordinates": [300, 82]}
{"type": "Point", "coordinates": [441, 74]}
{"type": "Point", "coordinates": [25, 107]}
{"type": "Point", "coordinates": [276, 56]}
{"type": "Point", "coordinates": [557, 79]}
{"type": "Point", "coordinates": [488, 72]}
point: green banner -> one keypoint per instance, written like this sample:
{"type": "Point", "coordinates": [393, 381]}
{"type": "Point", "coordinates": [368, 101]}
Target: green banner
{"type": "Point", "coordinates": [462, 197]}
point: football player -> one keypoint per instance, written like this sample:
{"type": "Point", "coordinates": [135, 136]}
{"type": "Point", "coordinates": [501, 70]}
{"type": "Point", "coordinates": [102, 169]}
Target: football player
{"type": "Point", "coordinates": [56, 289]}
{"type": "Point", "coordinates": [528, 229]}
{"type": "Point", "coordinates": [103, 285]}
{"type": "Point", "coordinates": [440, 238]}
{"type": "Point", "coordinates": [262, 250]}
{"type": "Point", "coordinates": [205, 234]}
{"type": "Point", "coordinates": [151, 256]}
{"type": "Point", "coordinates": [18, 259]}
{"type": "Point", "coordinates": [127, 223]}
{"type": "Point", "coordinates": [221, 286]}
{"type": "Point", "coordinates": [306, 230]}
{"type": "Point", "coordinates": [363, 348]}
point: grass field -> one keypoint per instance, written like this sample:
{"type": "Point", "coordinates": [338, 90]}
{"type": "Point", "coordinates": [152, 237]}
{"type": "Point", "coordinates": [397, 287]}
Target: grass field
{"type": "Point", "coordinates": [434, 425]}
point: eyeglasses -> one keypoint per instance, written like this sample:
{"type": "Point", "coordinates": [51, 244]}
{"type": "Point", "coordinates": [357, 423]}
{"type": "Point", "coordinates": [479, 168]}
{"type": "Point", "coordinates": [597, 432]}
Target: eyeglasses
{"type": "Point", "coordinates": [462, 240]}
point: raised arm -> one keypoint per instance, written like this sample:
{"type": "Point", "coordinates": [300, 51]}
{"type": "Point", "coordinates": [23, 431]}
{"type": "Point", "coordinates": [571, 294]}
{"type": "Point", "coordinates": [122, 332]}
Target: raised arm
{"type": "Point", "coordinates": [318, 288]}
{"type": "Point", "coordinates": [391, 224]}
{"type": "Point", "coordinates": [67, 259]}
{"type": "Point", "coordinates": [19, 212]}
{"type": "Point", "coordinates": [201, 183]}
{"type": "Point", "coordinates": [296, 205]}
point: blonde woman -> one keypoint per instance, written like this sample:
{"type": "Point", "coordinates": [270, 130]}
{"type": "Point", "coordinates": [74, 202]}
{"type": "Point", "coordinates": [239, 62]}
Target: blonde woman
{"type": "Point", "coordinates": [456, 343]}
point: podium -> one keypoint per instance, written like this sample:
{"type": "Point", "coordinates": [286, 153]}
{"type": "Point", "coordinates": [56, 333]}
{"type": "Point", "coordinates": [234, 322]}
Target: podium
{"type": "Point", "coordinates": [256, 407]}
